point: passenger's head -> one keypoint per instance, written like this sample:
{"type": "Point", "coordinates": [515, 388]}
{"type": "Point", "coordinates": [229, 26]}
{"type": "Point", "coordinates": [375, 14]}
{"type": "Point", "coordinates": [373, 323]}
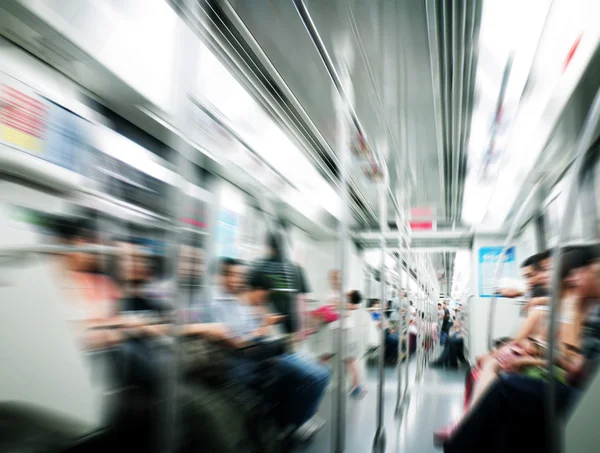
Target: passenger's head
{"type": "Point", "coordinates": [501, 342]}
{"type": "Point", "coordinates": [259, 287]}
{"type": "Point", "coordinates": [582, 269]}
{"type": "Point", "coordinates": [530, 269]}
{"type": "Point", "coordinates": [334, 279]}
{"type": "Point", "coordinates": [135, 263]}
{"type": "Point", "coordinates": [439, 305]}
{"type": "Point", "coordinates": [232, 275]}
{"type": "Point", "coordinates": [77, 233]}
{"type": "Point", "coordinates": [354, 298]}
{"type": "Point", "coordinates": [274, 246]}
{"type": "Point", "coordinates": [544, 277]}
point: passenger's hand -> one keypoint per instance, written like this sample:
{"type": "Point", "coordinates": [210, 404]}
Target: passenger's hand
{"type": "Point", "coordinates": [275, 319]}
{"type": "Point", "coordinates": [132, 322]}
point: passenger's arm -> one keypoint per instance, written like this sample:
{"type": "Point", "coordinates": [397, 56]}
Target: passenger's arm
{"type": "Point", "coordinates": [510, 292]}
{"type": "Point", "coordinates": [529, 326]}
{"type": "Point", "coordinates": [537, 301]}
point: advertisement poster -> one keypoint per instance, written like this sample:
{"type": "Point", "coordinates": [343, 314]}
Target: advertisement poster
{"type": "Point", "coordinates": [31, 123]}
{"type": "Point", "coordinates": [488, 261]}
{"type": "Point", "coordinates": [23, 116]}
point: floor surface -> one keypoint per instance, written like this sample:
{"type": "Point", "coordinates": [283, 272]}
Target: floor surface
{"type": "Point", "coordinates": [433, 402]}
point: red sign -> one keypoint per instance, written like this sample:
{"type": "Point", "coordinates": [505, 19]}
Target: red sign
{"type": "Point", "coordinates": [420, 226]}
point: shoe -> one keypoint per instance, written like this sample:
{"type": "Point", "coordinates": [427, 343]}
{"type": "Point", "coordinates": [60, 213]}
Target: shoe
{"type": "Point", "coordinates": [358, 393]}
{"type": "Point", "coordinates": [436, 364]}
{"type": "Point", "coordinates": [444, 434]}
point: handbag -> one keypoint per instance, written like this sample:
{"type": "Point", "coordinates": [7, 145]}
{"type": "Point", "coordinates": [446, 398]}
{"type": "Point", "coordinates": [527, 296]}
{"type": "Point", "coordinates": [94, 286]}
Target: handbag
{"type": "Point", "coordinates": [200, 357]}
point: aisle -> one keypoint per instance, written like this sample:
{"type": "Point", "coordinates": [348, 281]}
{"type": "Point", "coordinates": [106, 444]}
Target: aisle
{"type": "Point", "coordinates": [438, 401]}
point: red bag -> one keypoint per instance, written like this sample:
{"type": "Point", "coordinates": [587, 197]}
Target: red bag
{"type": "Point", "coordinates": [326, 313]}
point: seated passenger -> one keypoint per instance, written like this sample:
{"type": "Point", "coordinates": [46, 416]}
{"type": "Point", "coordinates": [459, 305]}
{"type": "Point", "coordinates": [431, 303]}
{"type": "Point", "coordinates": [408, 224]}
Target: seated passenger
{"type": "Point", "coordinates": [453, 349]}
{"type": "Point", "coordinates": [299, 383]}
{"type": "Point", "coordinates": [531, 269]}
{"type": "Point", "coordinates": [513, 407]}
{"type": "Point", "coordinates": [90, 295]}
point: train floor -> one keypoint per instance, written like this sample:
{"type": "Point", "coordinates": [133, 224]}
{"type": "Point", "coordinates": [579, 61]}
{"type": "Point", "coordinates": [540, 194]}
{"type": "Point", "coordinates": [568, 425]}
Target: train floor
{"type": "Point", "coordinates": [434, 402]}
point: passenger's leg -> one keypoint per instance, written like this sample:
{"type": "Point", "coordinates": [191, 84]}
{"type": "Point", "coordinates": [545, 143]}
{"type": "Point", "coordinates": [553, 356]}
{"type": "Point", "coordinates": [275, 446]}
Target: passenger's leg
{"type": "Point", "coordinates": [303, 383]}
{"type": "Point", "coordinates": [443, 337]}
{"type": "Point", "coordinates": [487, 375]}
{"type": "Point", "coordinates": [510, 416]}
{"type": "Point", "coordinates": [353, 372]}
{"type": "Point", "coordinates": [444, 356]}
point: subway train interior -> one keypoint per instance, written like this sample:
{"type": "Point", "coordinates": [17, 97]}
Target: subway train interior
{"type": "Point", "coordinates": [289, 226]}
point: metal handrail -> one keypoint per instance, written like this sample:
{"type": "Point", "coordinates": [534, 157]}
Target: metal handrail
{"type": "Point", "coordinates": [19, 250]}
{"type": "Point", "coordinates": [582, 149]}
{"type": "Point", "coordinates": [500, 265]}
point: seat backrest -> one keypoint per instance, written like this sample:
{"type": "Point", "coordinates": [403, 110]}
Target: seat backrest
{"type": "Point", "coordinates": [42, 365]}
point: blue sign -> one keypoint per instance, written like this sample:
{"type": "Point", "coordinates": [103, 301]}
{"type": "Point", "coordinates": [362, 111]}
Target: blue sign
{"type": "Point", "coordinates": [488, 262]}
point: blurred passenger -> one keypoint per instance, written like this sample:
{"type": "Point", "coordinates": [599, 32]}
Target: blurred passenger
{"type": "Point", "coordinates": [299, 382]}
{"type": "Point", "coordinates": [453, 351]}
{"type": "Point", "coordinates": [90, 295]}
{"type": "Point", "coordinates": [446, 323]}
{"type": "Point", "coordinates": [375, 310]}
{"type": "Point", "coordinates": [521, 399]}
{"type": "Point", "coordinates": [136, 273]}
{"type": "Point", "coordinates": [288, 281]}
{"type": "Point", "coordinates": [535, 271]}
{"type": "Point", "coordinates": [356, 328]}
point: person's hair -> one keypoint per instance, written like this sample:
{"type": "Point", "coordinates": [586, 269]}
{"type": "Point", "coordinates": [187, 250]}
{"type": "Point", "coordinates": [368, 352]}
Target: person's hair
{"type": "Point", "coordinates": [533, 261]}
{"type": "Point", "coordinates": [439, 303]}
{"type": "Point", "coordinates": [544, 255]}
{"type": "Point", "coordinates": [578, 256]}
{"type": "Point", "coordinates": [501, 341]}
{"type": "Point", "coordinates": [226, 262]}
{"type": "Point", "coordinates": [71, 228]}
{"type": "Point", "coordinates": [275, 244]}
{"type": "Point", "coordinates": [260, 282]}
{"type": "Point", "coordinates": [355, 297]}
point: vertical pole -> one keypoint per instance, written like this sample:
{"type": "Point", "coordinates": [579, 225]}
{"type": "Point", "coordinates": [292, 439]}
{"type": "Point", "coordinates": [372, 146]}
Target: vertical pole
{"type": "Point", "coordinates": [185, 71]}
{"type": "Point", "coordinates": [400, 319]}
{"type": "Point", "coordinates": [379, 440]}
{"type": "Point", "coordinates": [342, 142]}
{"type": "Point", "coordinates": [408, 314]}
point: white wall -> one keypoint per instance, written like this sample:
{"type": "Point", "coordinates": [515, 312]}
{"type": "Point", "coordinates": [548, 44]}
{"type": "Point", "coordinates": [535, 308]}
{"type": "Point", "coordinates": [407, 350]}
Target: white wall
{"type": "Point", "coordinates": [507, 319]}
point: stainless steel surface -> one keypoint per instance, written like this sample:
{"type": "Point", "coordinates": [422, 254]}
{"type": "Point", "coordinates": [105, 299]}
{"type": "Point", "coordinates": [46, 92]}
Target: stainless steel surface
{"type": "Point", "coordinates": [401, 317]}
{"type": "Point", "coordinates": [397, 43]}
{"type": "Point", "coordinates": [343, 106]}
{"type": "Point", "coordinates": [500, 265]}
{"type": "Point", "coordinates": [582, 149]}
{"type": "Point", "coordinates": [333, 75]}
{"type": "Point", "coordinates": [379, 439]}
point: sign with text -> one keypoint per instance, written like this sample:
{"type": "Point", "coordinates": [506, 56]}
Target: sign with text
{"type": "Point", "coordinates": [488, 259]}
